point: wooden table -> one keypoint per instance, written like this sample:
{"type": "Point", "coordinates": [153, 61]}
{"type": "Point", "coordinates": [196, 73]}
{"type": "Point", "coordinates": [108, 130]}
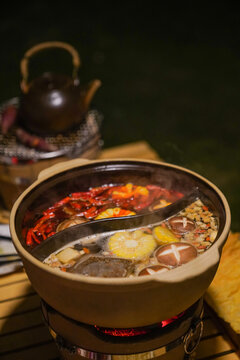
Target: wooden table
{"type": "Point", "coordinates": [23, 334]}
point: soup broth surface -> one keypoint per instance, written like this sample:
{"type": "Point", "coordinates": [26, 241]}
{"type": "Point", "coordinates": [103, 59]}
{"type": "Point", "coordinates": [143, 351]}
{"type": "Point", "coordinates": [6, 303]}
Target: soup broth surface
{"type": "Point", "coordinates": [96, 203]}
{"type": "Point", "coordinates": [143, 251]}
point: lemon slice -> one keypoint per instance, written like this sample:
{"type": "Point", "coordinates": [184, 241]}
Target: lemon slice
{"type": "Point", "coordinates": [163, 235]}
{"type": "Point", "coordinates": [131, 245]}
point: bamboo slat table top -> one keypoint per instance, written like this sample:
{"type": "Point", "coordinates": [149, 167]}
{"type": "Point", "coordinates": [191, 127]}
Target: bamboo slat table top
{"type": "Point", "coordinates": [23, 334]}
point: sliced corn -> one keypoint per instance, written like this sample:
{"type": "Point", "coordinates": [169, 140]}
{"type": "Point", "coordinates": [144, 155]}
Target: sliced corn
{"type": "Point", "coordinates": [163, 235]}
{"type": "Point", "coordinates": [131, 245]}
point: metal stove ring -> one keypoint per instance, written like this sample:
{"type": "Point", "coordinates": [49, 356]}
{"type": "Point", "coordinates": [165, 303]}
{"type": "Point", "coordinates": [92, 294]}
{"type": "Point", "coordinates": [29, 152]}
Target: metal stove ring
{"type": "Point", "coordinates": [193, 336]}
{"type": "Point", "coordinates": [88, 354]}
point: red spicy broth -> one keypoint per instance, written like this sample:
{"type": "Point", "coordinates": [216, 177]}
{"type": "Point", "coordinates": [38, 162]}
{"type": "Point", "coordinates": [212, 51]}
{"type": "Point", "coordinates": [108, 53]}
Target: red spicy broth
{"type": "Point", "coordinates": [98, 203]}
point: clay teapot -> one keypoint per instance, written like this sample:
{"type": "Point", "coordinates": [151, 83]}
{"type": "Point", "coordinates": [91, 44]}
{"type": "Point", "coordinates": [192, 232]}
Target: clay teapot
{"type": "Point", "coordinates": [53, 103]}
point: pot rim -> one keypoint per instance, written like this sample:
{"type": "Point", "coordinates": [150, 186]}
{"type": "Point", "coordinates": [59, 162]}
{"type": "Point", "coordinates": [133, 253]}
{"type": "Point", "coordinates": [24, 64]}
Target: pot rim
{"type": "Point", "coordinates": [194, 268]}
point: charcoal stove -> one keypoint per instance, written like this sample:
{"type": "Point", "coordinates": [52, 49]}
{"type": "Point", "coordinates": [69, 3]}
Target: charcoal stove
{"type": "Point", "coordinates": [21, 164]}
{"type": "Point", "coordinates": [171, 339]}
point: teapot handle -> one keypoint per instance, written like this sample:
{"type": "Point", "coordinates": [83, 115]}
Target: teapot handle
{"type": "Point", "coordinates": [46, 45]}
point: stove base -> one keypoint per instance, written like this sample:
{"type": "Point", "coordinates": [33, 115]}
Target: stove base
{"type": "Point", "coordinates": [176, 354]}
{"type": "Point", "coordinates": [176, 341]}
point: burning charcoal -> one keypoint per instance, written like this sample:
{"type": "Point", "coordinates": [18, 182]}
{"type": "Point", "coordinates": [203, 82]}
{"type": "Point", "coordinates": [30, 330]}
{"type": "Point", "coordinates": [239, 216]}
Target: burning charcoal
{"type": "Point", "coordinates": [103, 267]}
{"type": "Point", "coordinates": [176, 254]}
{"type": "Point", "coordinates": [9, 116]}
{"type": "Point", "coordinates": [154, 269]}
{"type": "Point", "coordinates": [181, 224]}
{"type": "Point", "coordinates": [34, 141]}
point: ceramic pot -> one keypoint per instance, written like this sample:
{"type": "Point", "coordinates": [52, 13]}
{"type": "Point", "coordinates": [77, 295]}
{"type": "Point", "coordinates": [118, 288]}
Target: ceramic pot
{"type": "Point", "coordinates": [118, 302]}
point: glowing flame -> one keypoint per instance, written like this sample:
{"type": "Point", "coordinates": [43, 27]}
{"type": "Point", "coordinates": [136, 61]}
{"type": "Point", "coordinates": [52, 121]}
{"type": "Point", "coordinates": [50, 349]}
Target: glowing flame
{"type": "Point", "coordinates": [138, 330]}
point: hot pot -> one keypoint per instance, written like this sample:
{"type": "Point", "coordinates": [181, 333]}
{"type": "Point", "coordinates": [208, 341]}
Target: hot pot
{"type": "Point", "coordinates": [118, 302]}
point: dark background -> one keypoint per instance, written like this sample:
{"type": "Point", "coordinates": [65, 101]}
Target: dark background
{"type": "Point", "coordinates": [170, 74]}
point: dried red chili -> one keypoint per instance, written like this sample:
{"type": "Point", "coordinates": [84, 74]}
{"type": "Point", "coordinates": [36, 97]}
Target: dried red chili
{"type": "Point", "coordinates": [91, 203]}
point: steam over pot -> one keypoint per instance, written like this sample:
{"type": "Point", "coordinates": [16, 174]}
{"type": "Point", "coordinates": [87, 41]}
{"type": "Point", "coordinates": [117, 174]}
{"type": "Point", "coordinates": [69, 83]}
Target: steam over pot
{"type": "Point", "coordinates": [118, 302]}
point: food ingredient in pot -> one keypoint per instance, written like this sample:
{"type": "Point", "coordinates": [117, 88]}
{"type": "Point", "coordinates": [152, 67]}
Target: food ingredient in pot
{"type": "Point", "coordinates": [163, 235]}
{"type": "Point", "coordinates": [159, 204]}
{"type": "Point", "coordinates": [154, 248]}
{"type": "Point", "coordinates": [103, 267]}
{"type": "Point", "coordinates": [64, 258]}
{"type": "Point", "coordinates": [131, 245]}
{"type": "Point", "coordinates": [114, 212]}
{"type": "Point", "coordinates": [176, 254]}
{"type": "Point", "coordinates": [67, 255]}
{"type": "Point", "coordinates": [70, 222]}
{"type": "Point", "coordinates": [154, 269]}
{"type": "Point", "coordinates": [88, 248]}
{"type": "Point", "coordinates": [181, 224]}
{"type": "Point", "coordinates": [95, 203]}
{"type": "Point", "coordinates": [206, 225]}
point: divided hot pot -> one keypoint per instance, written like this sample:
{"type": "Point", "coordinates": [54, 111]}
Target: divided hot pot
{"type": "Point", "coordinates": [128, 301]}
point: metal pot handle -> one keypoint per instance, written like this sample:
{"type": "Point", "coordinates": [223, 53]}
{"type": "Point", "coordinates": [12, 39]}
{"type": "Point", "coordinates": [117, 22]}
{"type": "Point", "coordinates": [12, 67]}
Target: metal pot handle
{"type": "Point", "coordinates": [42, 46]}
{"type": "Point", "coordinates": [61, 166]}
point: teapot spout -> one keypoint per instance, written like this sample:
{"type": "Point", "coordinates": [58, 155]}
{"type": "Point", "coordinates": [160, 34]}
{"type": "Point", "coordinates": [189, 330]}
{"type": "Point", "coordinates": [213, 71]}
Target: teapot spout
{"type": "Point", "coordinates": [88, 92]}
